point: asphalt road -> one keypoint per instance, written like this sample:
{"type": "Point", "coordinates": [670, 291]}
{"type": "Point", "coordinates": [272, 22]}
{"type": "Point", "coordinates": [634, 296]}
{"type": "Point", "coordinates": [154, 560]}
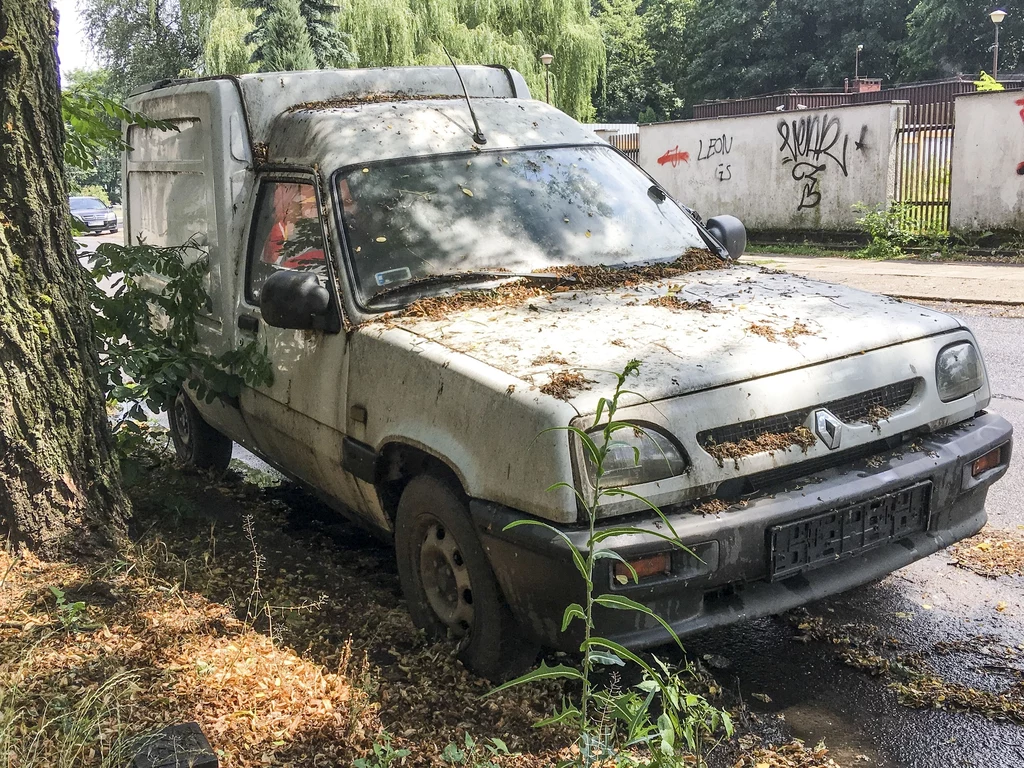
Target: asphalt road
{"type": "Point", "coordinates": [950, 615]}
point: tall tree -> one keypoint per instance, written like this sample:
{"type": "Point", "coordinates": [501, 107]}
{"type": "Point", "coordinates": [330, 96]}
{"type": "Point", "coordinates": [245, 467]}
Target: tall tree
{"type": "Point", "coordinates": [283, 40]}
{"type": "Point", "coordinates": [139, 41]}
{"type": "Point", "coordinates": [331, 46]}
{"type": "Point", "coordinates": [226, 50]}
{"type": "Point", "coordinates": [950, 37]}
{"type": "Point", "coordinates": [749, 47]}
{"type": "Point", "coordinates": [59, 482]}
{"type": "Point", "coordinates": [511, 32]}
{"type": "Point", "coordinates": [623, 91]}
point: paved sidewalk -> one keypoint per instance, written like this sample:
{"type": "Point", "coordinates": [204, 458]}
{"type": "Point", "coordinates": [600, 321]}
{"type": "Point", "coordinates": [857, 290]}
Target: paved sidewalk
{"type": "Point", "coordinates": [949, 281]}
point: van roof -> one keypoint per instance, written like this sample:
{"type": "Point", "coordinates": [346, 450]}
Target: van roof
{"type": "Point", "coordinates": [267, 95]}
{"type": "Point", "coordinates": [338, 134]}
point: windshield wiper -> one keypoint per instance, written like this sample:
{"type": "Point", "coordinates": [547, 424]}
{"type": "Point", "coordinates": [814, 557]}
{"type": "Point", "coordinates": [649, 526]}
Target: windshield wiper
{"type": "Point", "coordinates": [457, 278]}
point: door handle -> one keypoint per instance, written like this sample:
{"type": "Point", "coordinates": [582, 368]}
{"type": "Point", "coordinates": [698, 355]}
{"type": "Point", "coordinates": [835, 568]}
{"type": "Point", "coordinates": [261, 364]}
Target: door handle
{"type": "Point", "coordinates": [248, 323]}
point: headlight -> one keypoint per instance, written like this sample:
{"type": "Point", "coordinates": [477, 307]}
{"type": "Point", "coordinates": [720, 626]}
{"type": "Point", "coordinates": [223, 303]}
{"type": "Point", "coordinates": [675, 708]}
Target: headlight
{"type": "Point", "coordinates": [958, 371]}
{"type": "Point", "coordinates": [635, 456]}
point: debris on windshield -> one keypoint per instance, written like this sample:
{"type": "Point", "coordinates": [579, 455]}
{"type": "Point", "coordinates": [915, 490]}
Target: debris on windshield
{"type": "Point", "coordinates": [694, 260]}
{"type": "Point", "coordinates": [766, 442]}
{"type": "Point", "coordinates": [674, 302]}
{"type": "Point", "coordinates": [564, 384]}
{"type": "Point", "coordinates": [511, 294]}
{"type": "Point", "coordinates": [517, 292]}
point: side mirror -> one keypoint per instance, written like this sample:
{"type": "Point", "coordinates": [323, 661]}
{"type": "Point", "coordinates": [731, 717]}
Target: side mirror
{"type": "Point", "coordinates": [294, 300]}
{"type": "Point", "coordinates": [730, 232]}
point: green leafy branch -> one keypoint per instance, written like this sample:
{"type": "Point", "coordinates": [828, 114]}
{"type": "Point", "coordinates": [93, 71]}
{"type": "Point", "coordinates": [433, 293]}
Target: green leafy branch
{"type": "Point", "coordinates": [147, 301]}
{"type": "Point", "coordinates": [93, 124]}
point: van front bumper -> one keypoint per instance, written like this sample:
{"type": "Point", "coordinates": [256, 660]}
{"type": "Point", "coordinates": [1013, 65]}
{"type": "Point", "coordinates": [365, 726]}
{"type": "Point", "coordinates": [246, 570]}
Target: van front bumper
{"type": "Point", "coordinates": [732, 579]}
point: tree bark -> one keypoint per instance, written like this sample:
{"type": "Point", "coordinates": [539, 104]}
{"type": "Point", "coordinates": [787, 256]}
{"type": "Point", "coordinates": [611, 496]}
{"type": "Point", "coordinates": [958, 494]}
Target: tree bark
{"type": "Point", "coordinates": [60, 490]}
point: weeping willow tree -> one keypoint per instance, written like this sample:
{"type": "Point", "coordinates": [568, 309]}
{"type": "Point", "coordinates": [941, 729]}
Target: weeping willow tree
{"type": "Point", "coordinates": [226, 51]}
{"type": "Point", "coordinates": [510, 32]}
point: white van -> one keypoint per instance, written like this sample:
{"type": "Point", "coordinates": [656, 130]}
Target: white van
{"type": "Point", "coordinates": [441, 277]}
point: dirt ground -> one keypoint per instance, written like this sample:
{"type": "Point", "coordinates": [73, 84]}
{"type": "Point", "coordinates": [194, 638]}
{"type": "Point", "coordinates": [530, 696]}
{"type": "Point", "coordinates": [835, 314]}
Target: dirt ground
{"type": "Point", "coordinates": [247, 606]}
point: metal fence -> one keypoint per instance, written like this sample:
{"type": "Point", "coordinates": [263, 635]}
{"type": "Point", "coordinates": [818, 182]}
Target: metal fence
{"type": "Point", "coordinates": [924, 151]}
{"type": "Point", "coordinates": [938, 92]}
{"type": "Point", "coordinates": [627, 143]}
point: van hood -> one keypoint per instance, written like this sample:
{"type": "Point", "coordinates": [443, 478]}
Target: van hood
{"type": "Point", "coordinates": [699, 330]}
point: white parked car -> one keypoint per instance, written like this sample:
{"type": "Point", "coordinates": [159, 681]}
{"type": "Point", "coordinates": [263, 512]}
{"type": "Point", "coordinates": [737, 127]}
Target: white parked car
{"type": "Point", "coordinates": [437, 288]}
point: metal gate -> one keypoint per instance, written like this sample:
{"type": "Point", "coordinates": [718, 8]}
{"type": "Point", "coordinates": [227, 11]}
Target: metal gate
{"type": "Point", "coordinates": [924, 151]}
{"type": "Point", "coordinates": [627, 143]}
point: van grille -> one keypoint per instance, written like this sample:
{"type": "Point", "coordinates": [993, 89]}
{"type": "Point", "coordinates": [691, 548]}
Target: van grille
{"type": "Point", "coordinates": [854, 408]}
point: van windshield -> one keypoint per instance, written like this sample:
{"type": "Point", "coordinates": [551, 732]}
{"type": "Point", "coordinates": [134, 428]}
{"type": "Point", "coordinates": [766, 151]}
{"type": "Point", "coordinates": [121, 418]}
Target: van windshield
{"type": "Point", "coordinates": [418, 220]}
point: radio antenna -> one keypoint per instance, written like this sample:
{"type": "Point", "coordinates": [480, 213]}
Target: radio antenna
{"type": "Point", "coordinates": [478, 137]}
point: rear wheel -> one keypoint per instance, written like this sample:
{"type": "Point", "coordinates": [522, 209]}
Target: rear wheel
{"type": "Point", "coordinates": [195, 441]}
{"type": "Point", "coordinates": [448, 583]}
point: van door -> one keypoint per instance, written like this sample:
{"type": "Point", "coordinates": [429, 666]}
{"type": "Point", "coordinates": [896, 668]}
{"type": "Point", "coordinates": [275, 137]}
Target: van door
{"type": "Point", "coordinates": [299, 420]}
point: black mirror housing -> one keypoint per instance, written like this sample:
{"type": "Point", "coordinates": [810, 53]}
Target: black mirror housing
{"type": "Point", "coordinates": [294, 300]}
{"type": "Point", "coordinates": [730, 232]}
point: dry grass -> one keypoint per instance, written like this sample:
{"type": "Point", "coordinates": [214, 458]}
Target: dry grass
{"type": "Point", "coordinates": [159, 656]}
{"type": "Point", "coordinates": [991, 553]}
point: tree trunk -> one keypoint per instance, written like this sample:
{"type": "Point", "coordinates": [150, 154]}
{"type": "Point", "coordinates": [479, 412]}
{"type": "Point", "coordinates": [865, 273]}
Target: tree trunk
{"type": "Point", "coordinates": [60, 490]}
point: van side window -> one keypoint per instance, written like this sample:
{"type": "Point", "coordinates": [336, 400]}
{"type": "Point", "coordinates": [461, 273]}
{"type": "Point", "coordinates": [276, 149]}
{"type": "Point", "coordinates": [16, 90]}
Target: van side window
{"type": "Point", "coordinates": [286, 234]}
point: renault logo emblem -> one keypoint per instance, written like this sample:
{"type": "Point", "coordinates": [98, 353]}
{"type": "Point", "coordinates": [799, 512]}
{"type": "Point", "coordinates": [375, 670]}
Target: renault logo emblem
{"type": "Point", "coordinates": [828, 428]}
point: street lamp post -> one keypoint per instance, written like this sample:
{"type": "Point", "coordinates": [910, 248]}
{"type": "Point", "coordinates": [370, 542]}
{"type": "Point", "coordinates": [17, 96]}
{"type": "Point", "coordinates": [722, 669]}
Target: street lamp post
{"type": "Point", "coordinates": [997, 17]}
{"type": "Point", "coordinates": [856, 63]}
{"type": "Point", "coordinates": [546, 59]}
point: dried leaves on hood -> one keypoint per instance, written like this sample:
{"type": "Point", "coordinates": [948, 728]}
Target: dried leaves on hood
{"type": "Point", "coordinates": [565, 384]}
{"type": "Point", "coordinates": [675, 302]}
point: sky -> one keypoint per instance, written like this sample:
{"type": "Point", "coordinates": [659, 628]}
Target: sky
{"type": "Point", "coordinates": [72, 47]}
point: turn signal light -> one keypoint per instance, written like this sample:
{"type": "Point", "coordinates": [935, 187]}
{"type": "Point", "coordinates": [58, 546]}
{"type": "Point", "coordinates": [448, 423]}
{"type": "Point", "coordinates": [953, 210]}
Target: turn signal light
{"type": "Point", "coordinates": [645, 567]}
{"type": "Point", "coordinates": [990, 460]}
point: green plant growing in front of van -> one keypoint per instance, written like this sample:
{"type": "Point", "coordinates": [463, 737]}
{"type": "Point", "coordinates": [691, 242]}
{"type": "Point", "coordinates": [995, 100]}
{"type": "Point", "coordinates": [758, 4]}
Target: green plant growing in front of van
{"type": "Point", "coordinates": [612, 724]}
{"type": "Point", "coordinates": [147, 301]}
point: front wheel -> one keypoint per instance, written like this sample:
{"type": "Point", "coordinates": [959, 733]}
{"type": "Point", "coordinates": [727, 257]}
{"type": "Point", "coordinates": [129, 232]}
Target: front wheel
{"type": "Point", "coordinates": [448, 583]}
{"type": "Point", "coordinates": [195, 441]}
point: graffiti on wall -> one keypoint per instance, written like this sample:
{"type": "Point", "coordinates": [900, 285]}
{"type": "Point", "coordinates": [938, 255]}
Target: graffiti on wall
{"type": "Point", "coordinates": [723, 172]}
{"type": "Point", "coordinates": [809, 143]}
{"type": "Point", "coordinates": [716, 145]}
{"type": "Point", "coordinates": [674, 157]}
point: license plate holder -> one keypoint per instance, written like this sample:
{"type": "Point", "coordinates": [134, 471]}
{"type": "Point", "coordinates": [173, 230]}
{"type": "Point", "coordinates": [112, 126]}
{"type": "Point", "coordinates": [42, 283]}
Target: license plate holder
{"type": "Point", "coordinates": [827, 537]}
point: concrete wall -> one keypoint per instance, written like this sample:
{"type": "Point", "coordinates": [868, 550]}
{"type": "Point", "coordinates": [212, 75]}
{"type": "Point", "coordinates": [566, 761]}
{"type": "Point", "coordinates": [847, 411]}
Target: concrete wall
{"type": "Point", "coordinates": [987, 185]}
{"type": "Point", "coordinates": [786, 171]}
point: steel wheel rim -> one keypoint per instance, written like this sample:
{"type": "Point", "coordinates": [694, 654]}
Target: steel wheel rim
{"type": "Point", "coordinates": [181, 421]}
{"type": "Point", "coordinates": [445, 579]}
